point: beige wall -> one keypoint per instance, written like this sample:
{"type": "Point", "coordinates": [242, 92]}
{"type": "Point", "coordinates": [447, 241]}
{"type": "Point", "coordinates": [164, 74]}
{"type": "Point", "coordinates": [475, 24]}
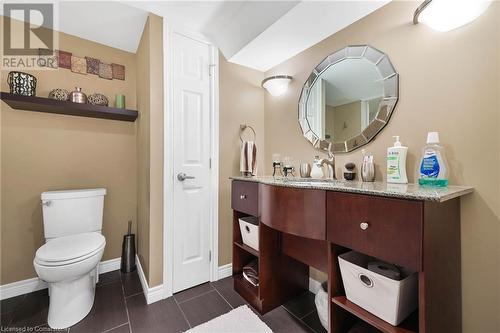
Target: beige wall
{"type": "Point", "coordinates": [241, 101]}
{"type": "Point", "coordinates": [450, 82]}
{"type": "Point", "coordinates": [349, 115]}
{"type": "Point", "coordinates": [150, 150]}
{"type": "Point", "coordinates": [143, 148]}
{"type": "Point", "coordinates": [41, 152]}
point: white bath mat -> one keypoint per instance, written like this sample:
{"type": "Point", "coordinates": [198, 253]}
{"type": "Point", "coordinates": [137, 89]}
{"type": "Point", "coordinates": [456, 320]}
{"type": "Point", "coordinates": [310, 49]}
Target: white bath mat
{"type": "Point", "coordinates": [239, 320]}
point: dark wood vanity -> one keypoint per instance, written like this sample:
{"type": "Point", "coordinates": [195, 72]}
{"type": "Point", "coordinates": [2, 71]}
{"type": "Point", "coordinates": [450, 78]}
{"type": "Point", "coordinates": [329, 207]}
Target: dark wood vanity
{"type": "Point", "coordinates": [302, 227]}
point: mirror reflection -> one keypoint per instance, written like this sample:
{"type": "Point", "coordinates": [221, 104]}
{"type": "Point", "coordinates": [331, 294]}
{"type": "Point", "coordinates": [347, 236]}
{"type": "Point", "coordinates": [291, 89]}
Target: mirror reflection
{"type": "Point", "coordinates": [348, 99]}
{"type": "Point", "coordinates": [344, 100]}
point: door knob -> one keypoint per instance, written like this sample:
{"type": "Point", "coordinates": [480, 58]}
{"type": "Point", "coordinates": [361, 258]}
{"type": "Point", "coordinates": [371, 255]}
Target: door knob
{"type": "Point", "coordinates": [181, 176]}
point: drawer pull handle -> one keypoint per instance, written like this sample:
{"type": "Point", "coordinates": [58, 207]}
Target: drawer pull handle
{"type": "Point", "coordinates": [247, 229]}
{"type": "Point", "coordinates": [243, 197]}
{"type": "Point", "coordinates": [364, 225]}
{"type": "Point", "coordinates": [367, 282]}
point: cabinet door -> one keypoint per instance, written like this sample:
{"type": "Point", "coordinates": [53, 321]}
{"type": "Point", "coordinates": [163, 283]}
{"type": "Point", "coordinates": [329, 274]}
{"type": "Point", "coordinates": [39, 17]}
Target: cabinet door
{"type": "Point", "coordinates": [388, 229]}
{"type": "Point", "coordinates": [300, 212]}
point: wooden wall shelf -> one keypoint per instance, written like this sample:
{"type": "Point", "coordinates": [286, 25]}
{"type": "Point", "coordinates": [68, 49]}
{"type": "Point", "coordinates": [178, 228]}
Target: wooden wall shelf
{"type": "Point", "coordinates": [41, 104]}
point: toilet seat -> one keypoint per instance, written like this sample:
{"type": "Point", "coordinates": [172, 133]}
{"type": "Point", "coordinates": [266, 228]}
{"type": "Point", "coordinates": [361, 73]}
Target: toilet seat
{"type": "Point", "coordinates": [70, 249]}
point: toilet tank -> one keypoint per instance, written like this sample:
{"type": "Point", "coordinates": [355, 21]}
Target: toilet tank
{"type": "Point", "coordinates": [72, 212]}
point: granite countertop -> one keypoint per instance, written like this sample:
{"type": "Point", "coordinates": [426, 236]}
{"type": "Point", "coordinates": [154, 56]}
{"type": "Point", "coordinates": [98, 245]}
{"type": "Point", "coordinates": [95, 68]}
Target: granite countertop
{"type": "Point", "coordinates": [402, 191]}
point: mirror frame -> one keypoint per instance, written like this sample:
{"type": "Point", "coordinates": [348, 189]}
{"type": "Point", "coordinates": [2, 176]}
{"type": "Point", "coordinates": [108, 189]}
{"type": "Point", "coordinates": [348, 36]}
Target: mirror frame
{"type": "Point", "coordinates": [385, 108]}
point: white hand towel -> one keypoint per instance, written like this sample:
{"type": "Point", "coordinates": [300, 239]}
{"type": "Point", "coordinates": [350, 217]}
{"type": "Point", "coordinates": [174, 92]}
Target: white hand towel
{"type": "Point", "coordinates": [248, 158]}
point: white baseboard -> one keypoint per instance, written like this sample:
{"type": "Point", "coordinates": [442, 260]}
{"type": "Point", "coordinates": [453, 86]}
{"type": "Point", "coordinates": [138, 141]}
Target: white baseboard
{"type": "Point", "coordinates": [314, 285]}
{"type": "Point", "coordinates": [21, 287]}
{"type": "Point", "coordinates": [153, 294]}
{"type": "Point", "coordinates": [225, 271]}
{"type": "Point", "coordinates": [34, 284]}
{"type": "Point", "coordinates": [109, 265]}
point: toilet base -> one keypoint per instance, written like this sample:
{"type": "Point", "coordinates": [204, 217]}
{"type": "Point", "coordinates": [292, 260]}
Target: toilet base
{"type": "Point", "coordinates": [70, 301]}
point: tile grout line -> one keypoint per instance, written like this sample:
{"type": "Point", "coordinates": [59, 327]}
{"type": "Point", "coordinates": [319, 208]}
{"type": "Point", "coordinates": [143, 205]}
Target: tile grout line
{"type": "Point", "coordinates": [125, 302]}
{"type": "Point", "coordinates": [190, 299]}
{"type": "Point", "coordinates": [299, 319]}
{"type": "Point", "coordinates": [307, 314]}
{"type": "Point", "coordinates": [232, 308]}
{"type": "Point", "coordinates": [139, 293]}
{"type": "Point", "coordinates": [112, 328]}
{"type": "Point", "coordinates": [182, 311]}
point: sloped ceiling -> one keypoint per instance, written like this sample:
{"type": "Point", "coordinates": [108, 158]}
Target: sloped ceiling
{"type": "Point", "coordinates": [303, 26]}
{"type": "Point", "coordinates": [262, 34]}
{"type": "Point", "coordinates": [256, 34]}
{"type": "Point", "coordinates": [110, 23]}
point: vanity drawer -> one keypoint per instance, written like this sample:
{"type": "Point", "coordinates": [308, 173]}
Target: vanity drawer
{"type": "Point", "coordinates": [245, 197]}
{"type": "Point", "coordinates": [300, 212]}
{"type": "Point", "coordinates": [389, 229]}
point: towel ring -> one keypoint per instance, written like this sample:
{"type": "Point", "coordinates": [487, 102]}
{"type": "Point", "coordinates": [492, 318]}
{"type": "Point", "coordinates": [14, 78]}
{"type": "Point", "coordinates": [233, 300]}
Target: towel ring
{"type": "Point", "coordinates": [243, 128]}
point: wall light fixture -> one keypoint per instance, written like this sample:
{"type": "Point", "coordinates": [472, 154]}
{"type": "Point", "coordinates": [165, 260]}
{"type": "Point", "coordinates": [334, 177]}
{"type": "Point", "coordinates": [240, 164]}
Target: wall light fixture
{"type": "Point", "coordinates": [446, 15]}
{"type": "Point", "coordinates": [277, 85]}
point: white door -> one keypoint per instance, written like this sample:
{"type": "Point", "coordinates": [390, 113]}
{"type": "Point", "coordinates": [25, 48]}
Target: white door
{"type": "Point", "coordinates": [191, 106]}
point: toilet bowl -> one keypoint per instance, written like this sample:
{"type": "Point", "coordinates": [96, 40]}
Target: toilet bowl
{"type": "Point", "coordinates": [72, 224]}
{"type": "Point", "coordinates": [68, 264]}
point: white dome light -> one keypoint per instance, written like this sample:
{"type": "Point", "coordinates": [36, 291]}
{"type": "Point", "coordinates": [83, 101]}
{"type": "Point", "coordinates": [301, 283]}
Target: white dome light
{"type": "Point", "coordinates": [446, 15]}
{"type": "Point", "coordinates": [277, 85]}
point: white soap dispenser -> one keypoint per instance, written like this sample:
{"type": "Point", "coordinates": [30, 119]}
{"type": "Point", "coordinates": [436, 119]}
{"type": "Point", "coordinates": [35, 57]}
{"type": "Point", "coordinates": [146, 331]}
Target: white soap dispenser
{"type": "Point", "coordinates": [317, 170]}
{"type": "Point", "coordinates": [396, 163]}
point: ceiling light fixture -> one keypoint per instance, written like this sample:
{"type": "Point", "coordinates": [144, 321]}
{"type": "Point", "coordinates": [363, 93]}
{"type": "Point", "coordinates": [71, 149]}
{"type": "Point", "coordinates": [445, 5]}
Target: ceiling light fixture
{"type": "Point", "coordinates": [277, 85]}
{"type": "Point", "coordinates": [446, 15]}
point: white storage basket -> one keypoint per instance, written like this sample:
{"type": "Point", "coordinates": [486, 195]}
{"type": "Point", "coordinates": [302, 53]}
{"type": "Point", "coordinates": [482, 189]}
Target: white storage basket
{"type": "Point", "coordinates": [249, 228]}
{"type": "Point", "coordinates": [388, 299]}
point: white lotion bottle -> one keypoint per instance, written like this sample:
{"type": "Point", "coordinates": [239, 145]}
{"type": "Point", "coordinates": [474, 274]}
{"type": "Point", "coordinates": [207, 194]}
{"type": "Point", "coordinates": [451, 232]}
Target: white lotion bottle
{"type": "Point", "coordinates": [396, 163]}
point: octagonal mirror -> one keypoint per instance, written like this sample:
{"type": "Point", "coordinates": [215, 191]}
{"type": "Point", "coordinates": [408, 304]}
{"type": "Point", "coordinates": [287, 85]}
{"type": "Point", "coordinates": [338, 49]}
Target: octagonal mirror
{"type": "Point", "coordinates": [348, 99]}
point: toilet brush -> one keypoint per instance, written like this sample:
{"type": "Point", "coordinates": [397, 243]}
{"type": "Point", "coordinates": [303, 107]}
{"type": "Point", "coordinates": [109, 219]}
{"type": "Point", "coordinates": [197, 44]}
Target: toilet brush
{"type": "Point", "coordinates": [128, 251]}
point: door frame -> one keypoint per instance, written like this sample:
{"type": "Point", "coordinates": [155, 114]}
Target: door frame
{"type": "Point", "coordinates": [168, 160]}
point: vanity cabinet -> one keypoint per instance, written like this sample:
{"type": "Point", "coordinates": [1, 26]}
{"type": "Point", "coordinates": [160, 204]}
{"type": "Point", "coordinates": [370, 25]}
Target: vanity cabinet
{"type": "Point", "coordinates": [385, 228]}
{"type": "Point", "coordinates": [299, 212]}
{"type": "Point", "coordinates": [304, 226]}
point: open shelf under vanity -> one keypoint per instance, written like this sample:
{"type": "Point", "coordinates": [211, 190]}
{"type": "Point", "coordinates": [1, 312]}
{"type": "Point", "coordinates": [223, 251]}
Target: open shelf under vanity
{"type": "Point", "coordinates": [409, 325]}
{"type": "Point", "coordinates": [247, 248]}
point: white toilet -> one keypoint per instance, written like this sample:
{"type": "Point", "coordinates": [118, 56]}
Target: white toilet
{"type": "Point", "coordinates": [68, 261]}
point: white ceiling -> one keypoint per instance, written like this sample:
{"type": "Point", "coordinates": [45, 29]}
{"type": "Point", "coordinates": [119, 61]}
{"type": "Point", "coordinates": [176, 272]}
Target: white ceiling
{"type": "Point", "coordinates": [256, 34]}
{"type": "Point", "coordinates": [228, 24]}
{"type": "Point", "coordinates": [111, 23]}
{"type": "Point", "coordinates": [303, 26]}
{"type": "Point", "coordinates": [107, 22]}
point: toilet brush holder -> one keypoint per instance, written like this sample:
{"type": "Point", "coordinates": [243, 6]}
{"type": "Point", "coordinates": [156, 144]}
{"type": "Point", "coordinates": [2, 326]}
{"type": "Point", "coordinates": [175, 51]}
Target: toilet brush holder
{"type": "Point", "coordinates": [128, 252]}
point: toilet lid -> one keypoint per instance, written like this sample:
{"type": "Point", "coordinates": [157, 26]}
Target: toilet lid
{"type": "Point", "coordinates": [70, 247]}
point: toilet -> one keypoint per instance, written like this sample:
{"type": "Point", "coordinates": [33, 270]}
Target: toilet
{"type": "Point", "coordinates": [69, 259]}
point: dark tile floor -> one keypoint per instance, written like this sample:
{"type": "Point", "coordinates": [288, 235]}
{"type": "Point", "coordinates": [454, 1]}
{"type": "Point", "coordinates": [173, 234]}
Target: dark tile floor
{"type": "Point", "coordinates": [120, 307]}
